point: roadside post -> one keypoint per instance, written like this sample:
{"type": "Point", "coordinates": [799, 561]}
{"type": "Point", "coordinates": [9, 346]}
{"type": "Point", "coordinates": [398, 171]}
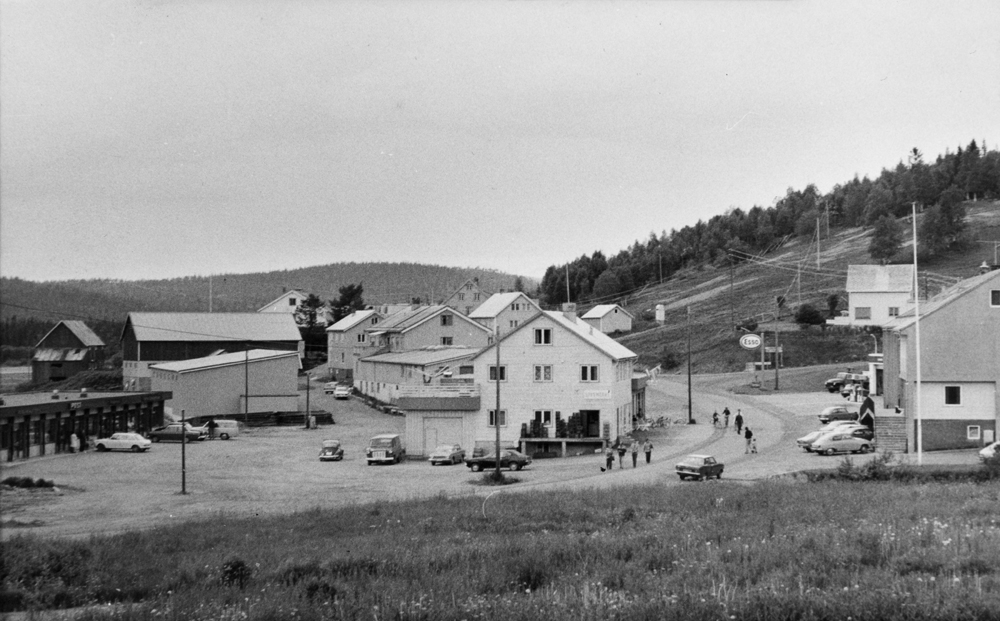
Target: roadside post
{"type": "Point", "coordinates": [750, 342]}
{"type": "Point", "coordinates": [183, 454]}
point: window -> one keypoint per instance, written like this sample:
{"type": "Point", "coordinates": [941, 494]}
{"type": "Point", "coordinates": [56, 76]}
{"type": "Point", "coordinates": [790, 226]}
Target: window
{"type": "Point", "coordinates": [475, 297]}
{"type": "Point", "coordinates": [465, 370]}
{"type": "Point", "coordinates": [362, 337]}
{"type": "Point", "coordinates": [953, 395]}
{"type": "Point", "coordinates": [994, 297]}
{"type": "Point", "coordinates": [342, 354]}
{"type": "Point", "coordinates": [973, 432]}
{"type": "Point", "coordinates": [291, 302]}
{"type": "Point", "coordinates": [493, 373]}
{"type": "Point", "coordinates": [493, 418]}
{"type": "Point", "coordinates": [516, 306]}
{"type": "Point", "coordinates": [543, 372]}
{"type": "Point", "coordinates": [461, 296]}
{"type": "Point", "coordinates": [447, 320]}
{"type": "Point", "coordinates": [543, 336]}
{"type": "Point", "coordinates": [544, 417]}
{"type": "Point", "coordinates": [863, 312]}
{"type": "Point", "coordinates": [588, 373]}
{"type": "Point", "coordinates": [446, 340]}
{"type": "Point", "coordinates": [894, 311]}
{"type": "Point", "coordinates": [514, 322]}
{"type": "Point", "coordinates": [374, 320]}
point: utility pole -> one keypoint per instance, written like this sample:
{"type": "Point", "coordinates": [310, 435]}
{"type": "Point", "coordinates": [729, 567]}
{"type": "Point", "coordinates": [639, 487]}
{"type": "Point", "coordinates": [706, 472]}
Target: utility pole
{"type": "Point", "coordinates": [210, 293]}
{"type": "Point", "coordinates": [776, 348]}
{"type": "Point", "coordinates": [817, 241]}
{"type": "Point", "coordinates": [916, 315]}
{"type": "Point", "coordinates": [496, 413]}
{"type": "Point", "coordinates": [246, 381]}
{"type": "Point", "coordinates": [732, 307]}
{"type": "Point", "coordinates": [184, 441]}
{"type": "Point", "coordinates": [690, 410]}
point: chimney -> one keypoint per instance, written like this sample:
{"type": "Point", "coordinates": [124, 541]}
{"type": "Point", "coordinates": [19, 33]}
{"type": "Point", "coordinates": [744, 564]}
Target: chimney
{"type": "Point", "coordinates": [569, 311]}
{"type": "Point", "coordinates": [985, 267]}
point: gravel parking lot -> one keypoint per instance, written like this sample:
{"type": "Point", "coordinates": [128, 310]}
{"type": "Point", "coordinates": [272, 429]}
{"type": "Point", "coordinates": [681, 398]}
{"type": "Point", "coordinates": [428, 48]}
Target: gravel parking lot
{"type": "Point", "coordinates": [275, 470]}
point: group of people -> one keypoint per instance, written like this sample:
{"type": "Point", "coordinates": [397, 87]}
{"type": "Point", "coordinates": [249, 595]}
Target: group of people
{"type": "Point", "coordinates": [738, 424]}
{"type": "Point", "coordinates": [609, 454]}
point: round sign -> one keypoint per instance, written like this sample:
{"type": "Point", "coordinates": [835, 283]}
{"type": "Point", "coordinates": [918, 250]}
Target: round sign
{"type": "Point", "coordinates": [750, 341]}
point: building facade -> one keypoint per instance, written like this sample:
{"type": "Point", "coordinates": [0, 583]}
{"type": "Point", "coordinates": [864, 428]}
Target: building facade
{"type": "Point", "coordinates": [959, 401]}
{"type": "Point", "coordinates": [876, 294]}
{"type": "Point", "coordinates": [421, 327]}
{"type": "Point", "coordinates": [67, 349]}
{"type": "Point", "coordinates": [347, 342]}
{"type": "Point", "coordinates": [609, 318]}
{"type": "Point", "coordinates": [467, 297]}
{"type": "Point", "coordinates": [505, 311]}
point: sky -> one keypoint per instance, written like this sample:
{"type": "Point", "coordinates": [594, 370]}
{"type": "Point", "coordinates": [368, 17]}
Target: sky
{"type": "Point", "coordinates": [159, 139]}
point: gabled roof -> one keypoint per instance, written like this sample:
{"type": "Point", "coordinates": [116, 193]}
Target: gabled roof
{"type": "Point", "coordinates": [223, 360]}
{"type": "Point", "coordinates": [880, 278]}
{"type": "Point", "coordinates": [603, 309]}
{"type": "Point", "coordinates": [946, 297]}
{"type": "Point", "coordinates": [200, 327]}
{"type": "Point", "coordinates": [497, 302]}
{"type": "Point", "coordinates": [45, 354]}
{"type": "Point", "coordinates": [579, 328]}
{"type": "Point", "coordinates": [80, 330]}
{"type": "Point", "coordinates": [425, 356]}
{"type": "Point", "coordinates": [408, 319]}
{"type": "Point", "coordinates": [284, 295]}
{"type": "Point", "coordinates": [348, 322]}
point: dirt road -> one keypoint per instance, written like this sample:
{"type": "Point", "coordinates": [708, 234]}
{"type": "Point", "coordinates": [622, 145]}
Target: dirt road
{"type": "Point", "coordinates": [270, 471]}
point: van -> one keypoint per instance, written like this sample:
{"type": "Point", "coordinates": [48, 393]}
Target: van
{"type": "Point", "coordinates": [385, 448]}
{"type": "Point", "coordinates": [224, 428]}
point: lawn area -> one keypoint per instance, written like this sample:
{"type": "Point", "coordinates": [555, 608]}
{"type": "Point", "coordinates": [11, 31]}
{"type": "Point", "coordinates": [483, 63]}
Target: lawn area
{"type": "Point", "coordinates": [779, 549]}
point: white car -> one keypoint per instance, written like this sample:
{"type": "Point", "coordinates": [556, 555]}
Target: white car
{"type": "Point", "coordinates": [124, 442]}
{"type": "Point", "coordinates": [989, 451]}
{"type": "Point", "coordinates": [805, 442]}
{"type": "Point", "coordinates": [342, 392]}
{"type": "Point", "coordinates": [329, 387]}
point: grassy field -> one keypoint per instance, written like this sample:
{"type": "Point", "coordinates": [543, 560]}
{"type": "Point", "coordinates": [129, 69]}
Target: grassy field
{"type": "Point", "coordinates": [776, 550]}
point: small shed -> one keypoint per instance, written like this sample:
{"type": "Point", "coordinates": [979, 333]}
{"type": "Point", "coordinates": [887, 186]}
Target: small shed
{"type": "Point", "coordinates": [609, 318]}
{"type": "Point", "coordinates": [67, 349]}
{"type": "Point", "coordinates": [218, 385]}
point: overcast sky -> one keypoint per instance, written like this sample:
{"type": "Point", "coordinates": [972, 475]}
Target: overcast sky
{"type": "Point", "coordinates": [154, 139]}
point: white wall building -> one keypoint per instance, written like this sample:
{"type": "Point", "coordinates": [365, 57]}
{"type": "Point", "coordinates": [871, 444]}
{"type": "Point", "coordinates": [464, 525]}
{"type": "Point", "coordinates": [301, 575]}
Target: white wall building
{"type": "Point", "coordinates": [876, 294]}
{"type": "Point", "coordinates": [609, 318]}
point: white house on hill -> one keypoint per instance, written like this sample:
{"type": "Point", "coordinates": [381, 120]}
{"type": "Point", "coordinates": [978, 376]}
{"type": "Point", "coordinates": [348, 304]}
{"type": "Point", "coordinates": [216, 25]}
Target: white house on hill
{"type": "Point", "coordinates": [609, 318]}
{"type": "Point", "coordinates": [876, 294]}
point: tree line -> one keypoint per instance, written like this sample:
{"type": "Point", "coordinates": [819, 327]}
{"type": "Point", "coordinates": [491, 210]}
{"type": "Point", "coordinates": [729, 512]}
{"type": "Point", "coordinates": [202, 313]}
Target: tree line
{"type": "Point", "coordinates": [969, 173]}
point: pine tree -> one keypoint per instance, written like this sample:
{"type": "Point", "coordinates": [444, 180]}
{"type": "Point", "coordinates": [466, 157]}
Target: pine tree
{"type": "Point", "coordinates": [887, 238]}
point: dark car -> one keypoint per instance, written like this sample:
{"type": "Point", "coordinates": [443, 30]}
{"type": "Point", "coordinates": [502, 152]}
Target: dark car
{"type": "Point", "coordinates": [699, 467]}
{"type": "Point", "coordinates": [509, 458]}
{"type": "Point", "coordinates": [834, 384]}
{"type": "Point", "coordinates": [331, 451]}
{"type": "Point", "coordinates": [177, 432]}
{"type": "Point", "coordinates": [837, 412]}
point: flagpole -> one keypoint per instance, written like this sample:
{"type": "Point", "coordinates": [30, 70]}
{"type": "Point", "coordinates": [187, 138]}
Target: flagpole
{"type": "Point", "coordinates": [916, 314]}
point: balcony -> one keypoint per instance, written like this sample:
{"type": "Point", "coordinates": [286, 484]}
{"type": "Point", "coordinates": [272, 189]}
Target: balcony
{"type": "Point", "coordinates": [451, 397]}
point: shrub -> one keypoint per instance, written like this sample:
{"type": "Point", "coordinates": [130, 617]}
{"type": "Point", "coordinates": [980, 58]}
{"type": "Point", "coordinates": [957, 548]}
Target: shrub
{"type": "Point", "coordinates": [235, 572]}
{"type": "Point", "coordinates": [27, 482]}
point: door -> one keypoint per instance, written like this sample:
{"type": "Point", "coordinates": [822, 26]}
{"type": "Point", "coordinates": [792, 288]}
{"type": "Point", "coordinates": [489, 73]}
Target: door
{"type": "Point", "coordinates": [443, 430]}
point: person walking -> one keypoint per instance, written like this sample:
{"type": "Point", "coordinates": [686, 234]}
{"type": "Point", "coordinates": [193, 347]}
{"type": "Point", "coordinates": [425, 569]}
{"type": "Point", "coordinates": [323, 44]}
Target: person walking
{"type": "Point", "coordinates": [609, 459]}
{"type": "Point", "coordinates": [647, 448]}
{"type": "Point", "coordinates": [739, 421]}
{"type": "Point", "coordinates": [212, 426]}
{"type": "Point", "coordinates": [621, 455]}
{"type": "Point", "coordinates": [715, 418]}
{"type": "Point", "coordinates": [725, 417]}
{"type": "Point", "coordinates": [635, 452]}
{"type": "Point", "coordinates": [74, 443]}
{"type": "Point", "coordinates": [748, 435]}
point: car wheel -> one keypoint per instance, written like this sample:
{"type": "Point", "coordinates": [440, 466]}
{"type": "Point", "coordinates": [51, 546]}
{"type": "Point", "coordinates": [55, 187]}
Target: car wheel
{"type": "Point", "coordinates": [135, 448]}
{"type": "Point", "coordinates": [224, 436]}
{"type": "Point", "coordinates": [866, 448]}
{"type": "Point", "coordinates": [476, 467]}
{"type": "Point", "coordinates": [101, 447]}
{"type": "Point", "coordinates": [718, 477]}
{"type": "Point", "coordinates": [829, 451]}
{"type": "Point", "coordinates": [682, 477]}
{"type": "Point", "coordinates": [155, 438]}
{"type": "Point", "coordinates": [515, 466]}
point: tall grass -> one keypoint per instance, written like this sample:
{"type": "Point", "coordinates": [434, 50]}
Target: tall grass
{"type": "Point", "coordinates": [714, 551]}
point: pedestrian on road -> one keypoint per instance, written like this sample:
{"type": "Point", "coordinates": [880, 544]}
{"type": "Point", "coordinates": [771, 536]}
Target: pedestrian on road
{"type": "Point", "coordinates": [621, 455]}
{"type": "Point", "coordinates": [739, 421]}
{"type": "Point", "coordinates": [715, 418]}
{"type": "Point", "coordinates": [74, 443]}
{"type": "Point", "coordinates": [212, 426]}
{"type": "Point", "coordinates": [609, 459]}
{"type": "Point", "coordinates": [725, 416]}
{"type": "Point", "coordinates": [749, 438]}
{"type": "Point", "coordinates": [635, 452]}
{"type": "Point", "coordinates": [647, 448]}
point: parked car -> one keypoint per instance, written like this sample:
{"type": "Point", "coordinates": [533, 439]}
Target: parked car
{"type": "Point", "coordinates": [178, 432]}
{"type": "Point", "coordinates": [859, 383]}
{"type": "Point", "coordinates": [331, 451]}
{"type": "Point", "coordinates": [848, 439]}
{"type": "Point", "coordinates": [447, 454]}
{"type": "Point", "coordinates": [385, 448]}
{"type": "Point", "coordinates": [836, 412]}
{"type": "Point", "coordinates": [834, 384]}
{"type": "Point", "coordinates": [329, 387]}
{"type": "Point", "coordinates": [989, 451]}
{"type": "Point", "coordinates": [124, 442]}
{"type": "Point", "coordinates": [342, 392]}
{"type": "Point", "coordinates": [699, 467]}
{"type": "Point", "coordinates": [805, 442]}
{"type": "Point", "coordinates": [224, 428]}
{"type": "Point", "coordinates": [509, 458]}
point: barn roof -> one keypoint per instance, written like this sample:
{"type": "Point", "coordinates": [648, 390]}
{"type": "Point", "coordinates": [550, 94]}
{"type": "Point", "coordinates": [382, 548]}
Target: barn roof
{"type": "Point", "coordinates": [201, 327]}
{"type": "Point", "coordinates": [80, 330]}
{"type": "Point", "coordinates": [223, 360]}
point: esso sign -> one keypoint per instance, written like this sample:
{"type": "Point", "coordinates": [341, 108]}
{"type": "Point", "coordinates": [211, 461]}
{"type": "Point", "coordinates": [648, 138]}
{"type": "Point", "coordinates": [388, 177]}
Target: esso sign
{"type": "Point", "coordinates": [751, 341]}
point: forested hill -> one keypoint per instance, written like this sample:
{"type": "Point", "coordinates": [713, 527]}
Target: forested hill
{"type": "Point", "coordinates": [113, 299]}
{"type": "Point", "coordinates": [939, 187]}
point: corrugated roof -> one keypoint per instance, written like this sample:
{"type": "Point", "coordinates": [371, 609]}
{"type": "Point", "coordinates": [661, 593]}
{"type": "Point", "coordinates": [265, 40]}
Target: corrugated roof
{"type": "Point", "coordinates": [279, 327]}
{"type": "Point", "coordinates": [943, 299]}
{"type": "Point", "coordinates": [603, 309]}
{"type": "Point", "coordinates": [497, 302]}
{"type": "Point", "coordinates": [346, 323]}
{"type": "Point", "coordinates": [881, 278]}
{"type": "Point", "coordinates": [425, 356]}
{"type": "Point", "coordinates": [80, 330]}
{"type": "Point", "coordinates": [46, 354]}
{"type": "Point", "coordinates": [223, 360]}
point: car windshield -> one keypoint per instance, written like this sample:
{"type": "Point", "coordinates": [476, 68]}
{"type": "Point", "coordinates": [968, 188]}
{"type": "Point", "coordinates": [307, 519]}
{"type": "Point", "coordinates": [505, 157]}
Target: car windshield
{"type": "Point", "coordinates": [381, 442]}
{"type": "Point", "coordinates": [692, 461]}
{"type": "Point", "coordinates": [444, 448]}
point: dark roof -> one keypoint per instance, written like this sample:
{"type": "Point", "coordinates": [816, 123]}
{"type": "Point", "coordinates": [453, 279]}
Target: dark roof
{"type": "Point", "coordinates": [80, 330]}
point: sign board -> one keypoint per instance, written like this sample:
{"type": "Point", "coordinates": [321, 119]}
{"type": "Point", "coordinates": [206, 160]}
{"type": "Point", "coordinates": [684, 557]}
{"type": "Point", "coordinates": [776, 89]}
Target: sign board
{"type": "Point", "coordinates": [596, 395]}
{"type": "Point", "coordinates": [750, 341]}
{"type": "Point", "coordinates": [770, 350]}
